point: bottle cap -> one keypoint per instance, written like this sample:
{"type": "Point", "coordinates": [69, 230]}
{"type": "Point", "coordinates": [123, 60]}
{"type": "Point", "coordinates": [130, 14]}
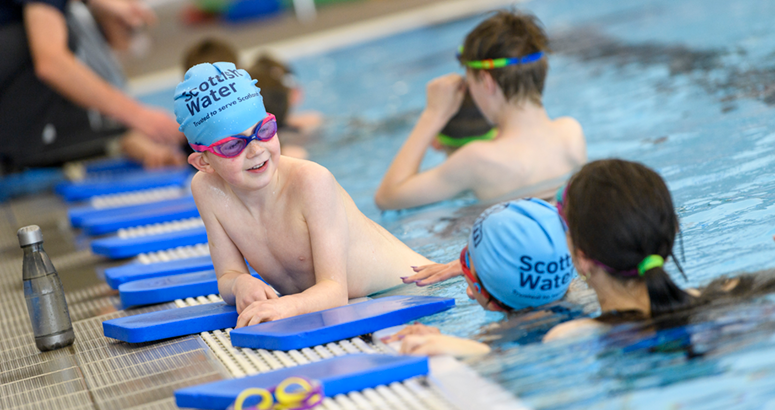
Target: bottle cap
{"type": "Point", "coordinates": [29, 235]}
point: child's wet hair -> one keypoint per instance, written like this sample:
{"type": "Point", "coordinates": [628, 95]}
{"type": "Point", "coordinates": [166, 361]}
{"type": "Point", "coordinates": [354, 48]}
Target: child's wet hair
{"type": "Point", "coordinates": [620, 212]}
{"type": "Point", "coordinates": [271, 76]}
{"type": "Point", "coordinates": [511, 34]}
{"type": "Point", "coordinates": [209, 50]}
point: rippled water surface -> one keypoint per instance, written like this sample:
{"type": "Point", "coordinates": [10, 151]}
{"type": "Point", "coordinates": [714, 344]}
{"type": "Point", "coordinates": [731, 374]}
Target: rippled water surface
{"type": "Point", "coordinates": [688, 88]}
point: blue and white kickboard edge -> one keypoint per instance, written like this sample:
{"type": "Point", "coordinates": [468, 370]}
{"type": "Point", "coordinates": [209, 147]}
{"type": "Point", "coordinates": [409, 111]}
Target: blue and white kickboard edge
{"type": "Point", "coordinates": [86, 214]}
{"type": "Point", "coordinates": [296, 332]}
{"type": "Point", "coordinates": [168, 288]}
{"type": "Point", "coordinates": [116, 247]}
{"type": "Point", "coordinates": [337, 375]}
{"type": "Point", "coordinates": [130, 181]}
{"type": "Point", "coordinates": [102, 226]}
{"type": "Point", "coordinates": [330, 325]}
{"type": "Point", "coordinates": [138, 271]}
{"type": "Point", "coordinates": [165, 324]}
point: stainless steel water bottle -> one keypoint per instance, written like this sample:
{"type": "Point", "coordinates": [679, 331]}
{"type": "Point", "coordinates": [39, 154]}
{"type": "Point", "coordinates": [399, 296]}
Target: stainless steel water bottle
{"type": "Point", "coordinates": [44, 294]}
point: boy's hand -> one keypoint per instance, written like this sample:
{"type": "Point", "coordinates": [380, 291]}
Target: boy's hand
{"type": "Point", "coordinates": [445, 95]}
{"type": "Point", "coordinates": [431, 345]}
{"type": "Point", "coordinates": [262, 311]}
{"type": "Point", "coordinates": [415, 329]}
{"type": "Point", "coordinates": [429, 274]}
{"type": "Point", "coordinates": [248, 289]}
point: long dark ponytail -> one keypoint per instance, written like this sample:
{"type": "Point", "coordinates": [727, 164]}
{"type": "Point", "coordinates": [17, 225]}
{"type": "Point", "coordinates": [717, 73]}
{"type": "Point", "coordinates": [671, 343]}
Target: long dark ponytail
{"type": "Point", "coordinates": [619, 213]}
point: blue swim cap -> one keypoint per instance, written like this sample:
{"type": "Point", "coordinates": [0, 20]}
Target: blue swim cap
{"type": "Point", "coordinates": [215, 101]}
{"type": "Point", "coordinates": [519, 252]}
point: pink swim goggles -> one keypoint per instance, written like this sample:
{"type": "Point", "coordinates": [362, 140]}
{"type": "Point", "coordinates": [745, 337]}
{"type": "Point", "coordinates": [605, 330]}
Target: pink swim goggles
{"type": "Point", "coordinates": [232, 146]}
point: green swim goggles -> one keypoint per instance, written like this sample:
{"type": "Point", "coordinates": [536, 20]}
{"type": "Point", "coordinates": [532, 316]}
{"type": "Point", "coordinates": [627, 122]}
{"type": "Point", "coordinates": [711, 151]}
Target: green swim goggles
{"type": "Point", "coordinates": [453, 142]}
{"type": "Point", "coordinates": [491, 63]}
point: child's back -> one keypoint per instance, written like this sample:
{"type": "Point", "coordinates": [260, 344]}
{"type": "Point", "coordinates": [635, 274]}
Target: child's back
{"type": "Point", "coordinates": [506, 69]}
{"type": "Point", "coordinates": [537, 149]}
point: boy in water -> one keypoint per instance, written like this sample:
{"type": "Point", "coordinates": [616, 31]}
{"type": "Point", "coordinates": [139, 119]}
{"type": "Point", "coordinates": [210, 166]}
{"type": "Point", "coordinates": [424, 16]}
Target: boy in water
{"type": "Point", "coordinates": [506, 66]}
{"type": "Point", "coordinates": [287, 217]}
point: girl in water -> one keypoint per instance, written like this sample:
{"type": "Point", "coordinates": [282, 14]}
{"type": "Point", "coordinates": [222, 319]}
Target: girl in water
{"type": "Point", "coordinates": [621, 229]}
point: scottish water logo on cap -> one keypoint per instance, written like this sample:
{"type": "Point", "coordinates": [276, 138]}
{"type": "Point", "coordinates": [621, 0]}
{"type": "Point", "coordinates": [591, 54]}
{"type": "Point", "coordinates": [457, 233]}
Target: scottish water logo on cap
{"type": "Point", "coordinates": [215, 101]}
{"type": "Point", "coordinates": [520, 253]}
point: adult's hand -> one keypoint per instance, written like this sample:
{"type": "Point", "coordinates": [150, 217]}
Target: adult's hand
{"type": "Point", "coordinates": [132, 13]}
{"type": "Point", "coordinates": [157, 124]}
{"type": "Point", "coordinates": [120, 18]}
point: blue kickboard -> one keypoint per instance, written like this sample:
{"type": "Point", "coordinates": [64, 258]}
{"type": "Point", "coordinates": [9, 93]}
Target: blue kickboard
{"type": "Point", "coordinates": [130, 181]}
{"type": "Point", "coordinates": [148, 327]}
{"type": "Point", "coordinates": [338, 375]}
{"type": "Point", "coordinates": [81, 214]}
{"type": "Point", "coordinates": [117, 248]}
{"type": "Point", "coordinates": [138, 271]}
{"type": "Point", "coordinates": [169, 288]}
{"type": "Point", "coordinates": [339, 323]}
{"type": "Point", "coordinates": [159, 214]}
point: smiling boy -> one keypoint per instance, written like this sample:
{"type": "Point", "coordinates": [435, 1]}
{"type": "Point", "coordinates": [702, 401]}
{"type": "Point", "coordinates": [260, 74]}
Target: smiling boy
{"type": "Point", "coordinates": [288, 218]}
{"type": "Point", "coordinates": [506, 66]}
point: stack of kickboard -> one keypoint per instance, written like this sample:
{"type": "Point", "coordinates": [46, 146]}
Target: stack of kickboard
{"type": "Point", "coordinates": [135, 211]}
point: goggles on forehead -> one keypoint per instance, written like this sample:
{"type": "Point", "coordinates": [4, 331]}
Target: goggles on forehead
{"type": "Point", "coordinates": [491, 63]}
{"type": "Point", "coordinates": [232, 146]}
{"type": "Point", "coordinates": [469, 272]}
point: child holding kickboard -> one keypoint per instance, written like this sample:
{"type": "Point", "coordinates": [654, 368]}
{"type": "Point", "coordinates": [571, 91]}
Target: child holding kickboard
{"type": "Point", "coordinates": [288, 218]}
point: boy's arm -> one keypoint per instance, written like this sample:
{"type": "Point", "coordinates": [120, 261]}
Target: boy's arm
{"type": "Point", "coordinates": [455, 175]}
{"type": "Point", "coordinates": [403, 186]}
{"type": "Point", "coordinates": [326, 218]}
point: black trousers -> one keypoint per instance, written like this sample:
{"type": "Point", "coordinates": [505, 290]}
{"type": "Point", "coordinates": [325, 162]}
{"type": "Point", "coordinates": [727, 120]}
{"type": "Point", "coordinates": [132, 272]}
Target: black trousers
{"type": "Point", "coordinates": [39, 127]}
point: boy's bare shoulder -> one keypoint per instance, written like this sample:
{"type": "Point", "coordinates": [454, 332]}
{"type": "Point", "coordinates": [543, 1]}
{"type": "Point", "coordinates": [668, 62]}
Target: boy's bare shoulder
{"type": "Point", "coordinates": [307, 176]}
{"type": "Point", "coordinates": [202, 184]}
{"type": "Point", "coordinates": [573, 134]}
{"type": "Point", "coordinates": [569, 126]}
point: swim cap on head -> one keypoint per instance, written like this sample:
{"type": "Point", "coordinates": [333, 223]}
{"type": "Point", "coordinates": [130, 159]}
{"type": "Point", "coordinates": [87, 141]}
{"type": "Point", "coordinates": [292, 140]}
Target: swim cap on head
{"type": "Point", "coordinates": [519, 252]}
{"type": "Point", "coordinates": [215, 101]}
{"type": "Point", "coordinates": [467, 125]}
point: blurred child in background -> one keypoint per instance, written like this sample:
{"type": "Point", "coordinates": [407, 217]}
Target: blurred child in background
{"type": "Point", "coordinates": [506, 66]}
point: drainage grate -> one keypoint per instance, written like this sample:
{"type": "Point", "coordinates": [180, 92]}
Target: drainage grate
{"type": "Point", "coordinates": [121, 375]}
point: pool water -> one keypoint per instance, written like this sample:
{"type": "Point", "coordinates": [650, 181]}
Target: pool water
{"type": "Point", "coordinates": [686, 87]}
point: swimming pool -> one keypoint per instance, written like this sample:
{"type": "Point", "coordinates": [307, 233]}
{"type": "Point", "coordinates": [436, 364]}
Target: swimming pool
{"type": "Point", "coordinates": [688, 88]}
